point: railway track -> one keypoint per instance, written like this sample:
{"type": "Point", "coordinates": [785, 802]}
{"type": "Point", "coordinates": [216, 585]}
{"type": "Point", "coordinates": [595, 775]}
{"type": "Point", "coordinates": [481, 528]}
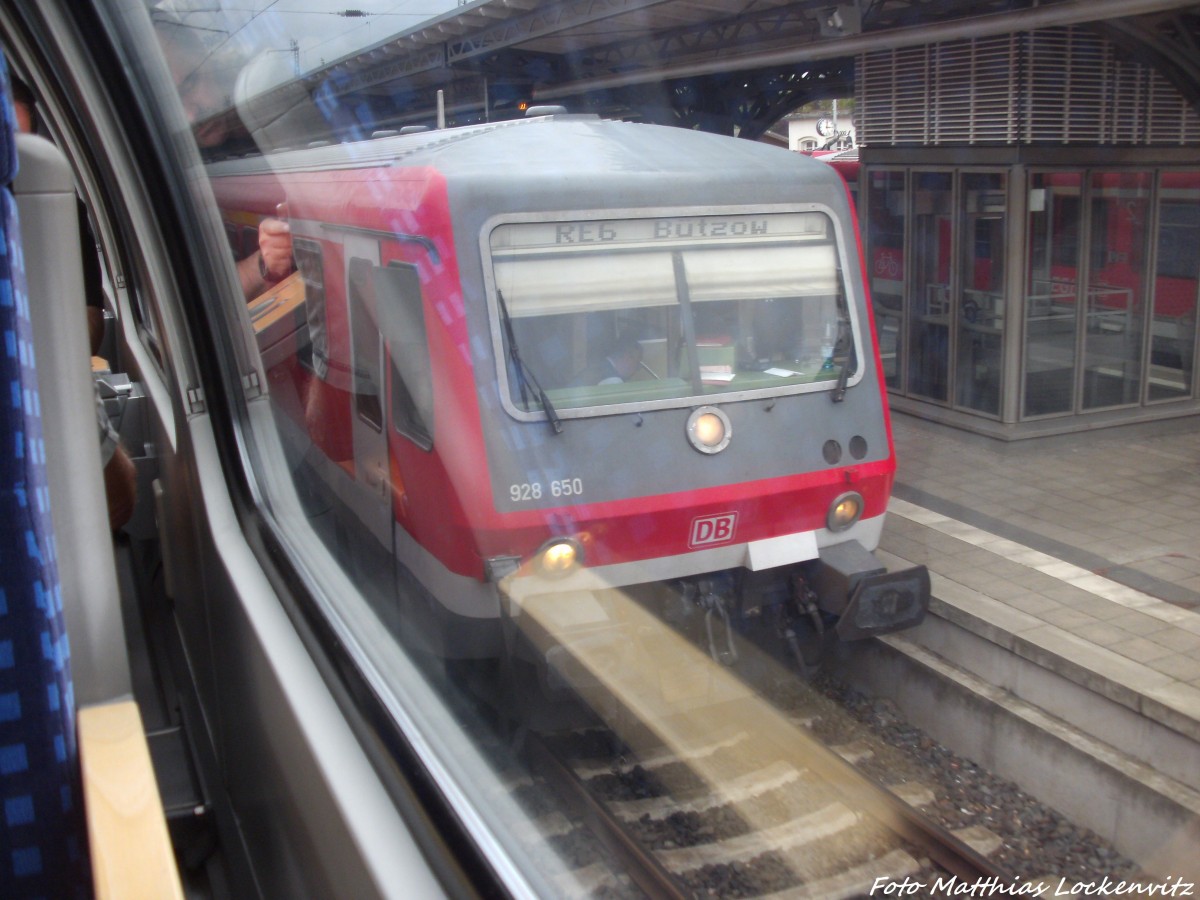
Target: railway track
{"type": "Point", "coordinates": [809, 825]}
{"type": "Point", "coordinates": [698, 784]}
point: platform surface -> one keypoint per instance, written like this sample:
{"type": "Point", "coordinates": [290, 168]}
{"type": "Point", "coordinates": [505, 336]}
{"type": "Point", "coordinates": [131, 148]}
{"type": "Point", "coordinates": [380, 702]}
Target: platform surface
{"type": "Point", "coordinates": [1083, 549]}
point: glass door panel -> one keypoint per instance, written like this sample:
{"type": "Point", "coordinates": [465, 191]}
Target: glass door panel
{"type": "Point", "coordinates": [981, 301]}
{"type": "Point", "coordinates": [1173, 309]}
{"type": "Point", "coordinates": [887, 210]}
{"type": "Point", "coordinates": [930, 303]}
{"type": "Point", "coordinates": [1112, 343]}
{"type": "Point", "coordinates": [1052, 293]}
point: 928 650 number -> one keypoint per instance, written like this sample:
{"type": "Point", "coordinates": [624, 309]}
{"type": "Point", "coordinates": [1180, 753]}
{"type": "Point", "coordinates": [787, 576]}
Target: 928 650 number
{"type": "Point", "coordinates": [529, 491]}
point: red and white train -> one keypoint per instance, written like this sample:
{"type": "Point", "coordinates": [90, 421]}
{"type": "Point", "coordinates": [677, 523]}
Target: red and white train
{"type": "Point", "coordinates": [541, 359]}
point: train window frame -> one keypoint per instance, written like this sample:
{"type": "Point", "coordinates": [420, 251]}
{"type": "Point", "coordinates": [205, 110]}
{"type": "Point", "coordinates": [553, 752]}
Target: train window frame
{"type": "Point", "coordinates": [130, 279]}
{"type": "Point", "coordinates": [847, 302]}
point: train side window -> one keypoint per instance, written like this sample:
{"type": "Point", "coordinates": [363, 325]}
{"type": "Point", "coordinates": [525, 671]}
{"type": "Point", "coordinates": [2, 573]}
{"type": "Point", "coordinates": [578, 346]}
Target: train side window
{"type": "Point", "coordinates": [402, 321]}
{"type": "Point", "coordinates": [368, 368]}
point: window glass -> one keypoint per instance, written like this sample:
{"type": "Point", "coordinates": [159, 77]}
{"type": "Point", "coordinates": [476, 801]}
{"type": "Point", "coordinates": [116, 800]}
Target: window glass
{"type": "Point", "coordinates": [1052, 293]}
{"type": "Point", "coordinates": [563, 438]}
{"type": "Point", "coordinates": [364, 313]}
{"type": "Point", "coordinates": [416, 301]}
{"type": "Point", "coordinates": [929, 323]}
{"type": "Point", "coordinates": [982, 310]}
{"type": "Point", "coordinates": [639, 310]}
{"type": "Point", "coordinates": [563, 443]}
{"type": "Point", "coordinates": [887, 210]}
{"type": "Point", "coordinates": [1173, 322]}
{"type": "Point", "coordinates": [402, 320]}
{"type": "Point", "coordinates": [1115, 302]}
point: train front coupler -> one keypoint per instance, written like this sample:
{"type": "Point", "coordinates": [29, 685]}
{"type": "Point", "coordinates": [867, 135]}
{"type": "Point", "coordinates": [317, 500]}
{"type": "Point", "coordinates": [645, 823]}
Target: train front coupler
{"type": "Point", "coordinates": [714, 597]}
{"type": "Point", "coordinates": [851, 583]}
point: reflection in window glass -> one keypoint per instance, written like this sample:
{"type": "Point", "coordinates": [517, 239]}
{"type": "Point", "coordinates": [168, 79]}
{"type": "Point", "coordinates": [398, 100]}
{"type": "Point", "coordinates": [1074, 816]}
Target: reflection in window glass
{"type": "Point", "coordinates": [639, 591]}
{"type": "Point", "coordinates": [729, 433]}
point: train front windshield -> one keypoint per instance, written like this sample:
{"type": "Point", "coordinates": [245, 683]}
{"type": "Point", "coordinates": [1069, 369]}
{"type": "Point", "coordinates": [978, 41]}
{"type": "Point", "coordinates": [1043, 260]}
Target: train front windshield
{"type": "Point", "coordinates": [661, 311]}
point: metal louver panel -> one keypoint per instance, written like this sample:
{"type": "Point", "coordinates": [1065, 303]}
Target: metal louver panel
{"type": "Point", "coordinates": [1065, 83]}
{"type": "Point", "coordinates": [1170, 119]}
{"type": "Point", "coordinates": [974, 80]}
{"type": "Point", "coordinates": [1060, 86]}
{"type": "Point", "coordinates": [891, 97]}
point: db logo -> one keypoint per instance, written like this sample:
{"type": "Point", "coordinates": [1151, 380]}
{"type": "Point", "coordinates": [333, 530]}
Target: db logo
{"type": "Point", "coordinates": [712, 530]}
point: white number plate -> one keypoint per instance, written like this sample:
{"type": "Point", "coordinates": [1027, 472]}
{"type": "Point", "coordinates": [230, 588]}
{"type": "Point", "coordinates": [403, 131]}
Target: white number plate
{"type": "Point", "coordinates": [529, 491]}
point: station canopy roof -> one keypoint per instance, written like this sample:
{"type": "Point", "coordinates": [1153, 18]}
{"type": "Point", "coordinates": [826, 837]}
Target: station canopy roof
{"type": "Point", "coordinates": [490, 59]}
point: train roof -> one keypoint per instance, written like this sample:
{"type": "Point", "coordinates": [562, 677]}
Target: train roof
{"type": "Point", "coordinates": [544, 148]}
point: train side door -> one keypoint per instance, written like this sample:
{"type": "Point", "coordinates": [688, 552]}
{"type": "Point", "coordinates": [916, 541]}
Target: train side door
{"type": "Point", "coordinates": [368, 426]}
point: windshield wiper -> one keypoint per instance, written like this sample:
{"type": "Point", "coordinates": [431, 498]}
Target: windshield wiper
{"type": "Point", "coordinates": [839, 390]}
{"type": "Point", "coordinates": [525, 378]}
{"type": "Point", "coordinates": [846, 334]}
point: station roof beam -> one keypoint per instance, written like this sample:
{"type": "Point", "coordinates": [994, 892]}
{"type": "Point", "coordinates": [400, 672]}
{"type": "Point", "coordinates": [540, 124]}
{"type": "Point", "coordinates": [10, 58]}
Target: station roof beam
{"type": "Point", "coordinates": [730, 67]}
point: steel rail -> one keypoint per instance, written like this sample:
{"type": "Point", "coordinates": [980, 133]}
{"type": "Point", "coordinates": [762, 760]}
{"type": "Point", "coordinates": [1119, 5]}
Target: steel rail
{"type": "Point", "coordinates": [858, 790]}
{"type": "Point", "coordinates": [638, 862]}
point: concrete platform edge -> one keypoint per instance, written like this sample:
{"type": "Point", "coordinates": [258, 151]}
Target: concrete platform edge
{"type": "Point", "coordinates": [1150, 817]}
{"type": "Point", "coordinates": [1058, 673]}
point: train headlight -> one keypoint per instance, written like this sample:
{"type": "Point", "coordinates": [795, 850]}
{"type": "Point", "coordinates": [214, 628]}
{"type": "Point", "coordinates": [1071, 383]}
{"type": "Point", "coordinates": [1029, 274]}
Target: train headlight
{"type": "Point", "coordinates": [559, 557]}
{"type": "Point", "coordinates": [844, 511]}
{"type": "Point", "coordinates": [708, 429]}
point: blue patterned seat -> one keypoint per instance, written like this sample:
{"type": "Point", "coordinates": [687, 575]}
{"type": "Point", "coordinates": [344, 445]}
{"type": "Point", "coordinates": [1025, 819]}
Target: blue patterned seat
{"type": "Point", "coordinates": [42, 842]}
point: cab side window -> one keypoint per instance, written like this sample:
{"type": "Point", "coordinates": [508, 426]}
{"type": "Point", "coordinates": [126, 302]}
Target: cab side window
{"type": "Point", "coordinates": [402, 321]}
